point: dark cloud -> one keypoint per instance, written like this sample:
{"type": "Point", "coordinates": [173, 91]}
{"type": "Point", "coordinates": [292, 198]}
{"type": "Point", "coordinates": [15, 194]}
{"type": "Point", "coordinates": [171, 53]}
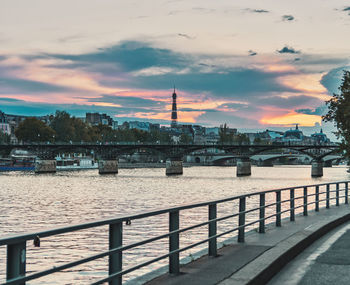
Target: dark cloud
{"type": "Point", "coordinates": [22, 107]}
{"type": "Point", "coordinates": [332, 80]}
{"type": "Point", "coordinates": [258, 10]}
{"type": "Point", "coordinates": [287, 49]}
{"type": "Point", "coordinates": [9, 100]}
{"type": "Point", "coordinates": [119, 66]}
{"type": "Point", "coordinates": [287, 18]}
{"type": "Point", "coordinates": [252, 53]}
{"type": "Point", "coordinates": [128, 56]}
{"type": "Point", "coordinates": [72, 38]}
{"type": "Point", "coordinates": [208, 65]}
{"type": "Point", "coordinates": [128, 101]}
{"type": "Point", "coordinates": [186, 36]}
{"type": "Point", "coordinates": [320, 111]}
{"type": "Point", "coordinates": [16, 85]}
{"type": "Point", "coordinates": [316, 63]}
{"type": "Point", "coordinates": [229, 83]}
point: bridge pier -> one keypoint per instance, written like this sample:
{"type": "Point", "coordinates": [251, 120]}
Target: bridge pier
{"type": "Point", "coordinates": [317, 168]}
{"type": "Point", "coordinates": [45, 166]}
{"type": "Point", "coordinates": [108, 166]}
{"type": "Point", "coordinates": [244, 167]}
{"type": "Point", "coordinates": [173, 166]}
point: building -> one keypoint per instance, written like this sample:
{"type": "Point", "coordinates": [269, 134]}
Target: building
{"type": "Point", "coordinates": [95, 119]}
{"type": "Point", "coordinates": [320, 138]}
{"type": "Point", "coordinates": [115, 125]}
{"type": "Point", "coordinates": [4, 124]}
{"type": "Point", "coordinates": [295, 135]}
{"type": "Point", "coordinates": [92, 118]}
{"type": "Point", "coordinates": [142, 126]}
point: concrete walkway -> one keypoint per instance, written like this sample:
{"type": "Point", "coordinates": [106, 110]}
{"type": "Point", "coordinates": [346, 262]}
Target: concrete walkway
{"type": "Point", "coordinates": [262, 255]}
{"type": "Point", "coordinates": [326, 261]}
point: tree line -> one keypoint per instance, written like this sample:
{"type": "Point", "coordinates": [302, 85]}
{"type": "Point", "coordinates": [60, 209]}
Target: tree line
{"type": "Point", "coordinates": [64, 128]}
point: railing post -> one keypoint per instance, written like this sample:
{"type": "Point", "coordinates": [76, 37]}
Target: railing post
{"type": "Point", "coordinates": [278, 208]}
{"type": "Point", "coordinates": [262, 214]}
{"type": "Point", "coordinates": [292, 210]}
{"type": "Point", "coordinates": [16, 261]}
{"type": "Point", "coordinates": [212, 230]}
{"type": "Point", "coordinates": [346, 193]}
{"type": "Point", "coordinates": [317, 198]}
{"type": "Point", "coordinates": [327, 196]}
{"type": "Point", "coordinates": [116, 259]}
{"type": "Point", "coordinates": [337, 195]}
{"type": "Point", "coordinates": [241, 219]}
{"type": "Point", "coordinates": [174, 243]}
{"type": "Point", "coordinates": [305, 201]}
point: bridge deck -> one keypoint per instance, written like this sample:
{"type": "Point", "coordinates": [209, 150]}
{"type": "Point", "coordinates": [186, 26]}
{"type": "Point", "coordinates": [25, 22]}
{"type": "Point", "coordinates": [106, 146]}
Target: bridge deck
{"type": "Point", "coordinates": [261, 256]}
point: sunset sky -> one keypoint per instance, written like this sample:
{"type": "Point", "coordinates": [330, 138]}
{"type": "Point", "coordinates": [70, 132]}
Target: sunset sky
{"type": "Point", "coordinates": [250, 63]}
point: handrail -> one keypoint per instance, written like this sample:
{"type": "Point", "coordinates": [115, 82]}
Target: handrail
{"type": "Point", "coordinates": [28, 236]}
{"type": "Point", "coordinates": [16, 244]}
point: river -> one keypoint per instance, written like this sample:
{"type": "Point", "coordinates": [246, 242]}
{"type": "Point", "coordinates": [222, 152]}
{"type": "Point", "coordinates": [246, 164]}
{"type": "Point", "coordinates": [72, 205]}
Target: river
{"type": "Point", "coordinates": [30, 202]}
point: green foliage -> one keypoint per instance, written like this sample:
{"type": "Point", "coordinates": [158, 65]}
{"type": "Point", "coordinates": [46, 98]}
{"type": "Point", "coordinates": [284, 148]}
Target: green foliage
{"type": "Point", "coordinates": [339, 113]}
{"type": "Point", "coordinates": [224, 134]}
{"type": "Point", "coordinates": [4, 138]}
{"type": "Point", "coordinates": [257, 141]}
{"type": "Point", "coordinates": [63, 125]}
{"type": "Point", "coordinates": [34, 130]}
{"type": "Point", "coordinates": [241, 139]}
{"type": "Point", "coordinates": [64, 128]}
{"type": "Point", "coordinates": [185, 139]}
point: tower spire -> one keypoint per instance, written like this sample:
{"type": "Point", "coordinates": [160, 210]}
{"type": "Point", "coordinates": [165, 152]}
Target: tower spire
{"type": "Point", "coordinates": [174, 111]}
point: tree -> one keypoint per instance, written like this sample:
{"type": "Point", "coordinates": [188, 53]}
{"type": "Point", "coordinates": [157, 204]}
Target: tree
{"type": "Point", "coordinates": [34, 130]}
{"type": "Point", "coordinates": [81, 130]}
{"type": "Point", "coordinates": [223, 134]}
{"type": "Point", "coordinates": [62, 124]}
{"type": "Point", "coordinates": [226, 135]}
{"type": "Point", "coordinates": [241, 139]}
{"type": "Point", "coordinates": [257, 141]}
{"type": "Point", "coordinates": [339, 113]}
{"type": "Point", "coordinates": [185, 139]}
{"type": "Point", "coordinates": [4, 138]}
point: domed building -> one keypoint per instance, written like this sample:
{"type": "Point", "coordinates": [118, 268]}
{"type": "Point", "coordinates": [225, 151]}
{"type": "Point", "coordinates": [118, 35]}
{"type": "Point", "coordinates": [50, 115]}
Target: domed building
{"type": "Point", "coordinates": [320, 137]}
{"type": "Point", "coordinates": [295, 135]}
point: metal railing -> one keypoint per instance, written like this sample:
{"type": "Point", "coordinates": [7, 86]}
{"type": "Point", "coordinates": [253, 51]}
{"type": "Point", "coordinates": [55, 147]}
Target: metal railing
{"type": "Point", "coordinates": [16, 245]}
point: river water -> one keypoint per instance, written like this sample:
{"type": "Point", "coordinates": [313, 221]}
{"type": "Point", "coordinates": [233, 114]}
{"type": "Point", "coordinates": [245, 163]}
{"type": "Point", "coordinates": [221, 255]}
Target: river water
{"type": "Point", "coordinates": [30, 202]}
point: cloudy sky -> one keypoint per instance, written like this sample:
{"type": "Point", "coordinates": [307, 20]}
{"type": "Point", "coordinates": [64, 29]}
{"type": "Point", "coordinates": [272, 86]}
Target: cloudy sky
{"type": "Point", "coordinates": [254, 64]}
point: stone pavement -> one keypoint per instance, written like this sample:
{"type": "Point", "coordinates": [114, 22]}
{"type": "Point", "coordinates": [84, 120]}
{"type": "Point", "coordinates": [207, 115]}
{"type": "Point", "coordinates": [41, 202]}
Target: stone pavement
{"type": "Point", "coordinates": [262, 255]}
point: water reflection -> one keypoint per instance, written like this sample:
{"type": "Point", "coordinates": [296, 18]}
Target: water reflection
{"type": "Point", "coordinates": [30, 202]}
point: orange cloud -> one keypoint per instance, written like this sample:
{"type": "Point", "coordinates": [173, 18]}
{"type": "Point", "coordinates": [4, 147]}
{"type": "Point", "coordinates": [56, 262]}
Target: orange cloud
{"type": "Point", "coordinates": [308, 83]}
{"type": "Point", "coordinates": [292, 118]}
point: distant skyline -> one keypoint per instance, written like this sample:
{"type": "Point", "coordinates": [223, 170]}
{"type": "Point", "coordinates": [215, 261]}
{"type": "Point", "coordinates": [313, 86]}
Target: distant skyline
{"type": "Point", "coordinates": [251, 64]}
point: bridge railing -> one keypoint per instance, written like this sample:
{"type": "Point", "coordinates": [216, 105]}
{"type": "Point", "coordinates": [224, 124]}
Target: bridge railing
{"type": "Point", "coordinates": [282, 203]}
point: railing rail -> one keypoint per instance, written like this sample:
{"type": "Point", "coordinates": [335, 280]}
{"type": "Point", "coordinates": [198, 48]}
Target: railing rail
{"type": "Point", "coordinates": [310, 195]}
